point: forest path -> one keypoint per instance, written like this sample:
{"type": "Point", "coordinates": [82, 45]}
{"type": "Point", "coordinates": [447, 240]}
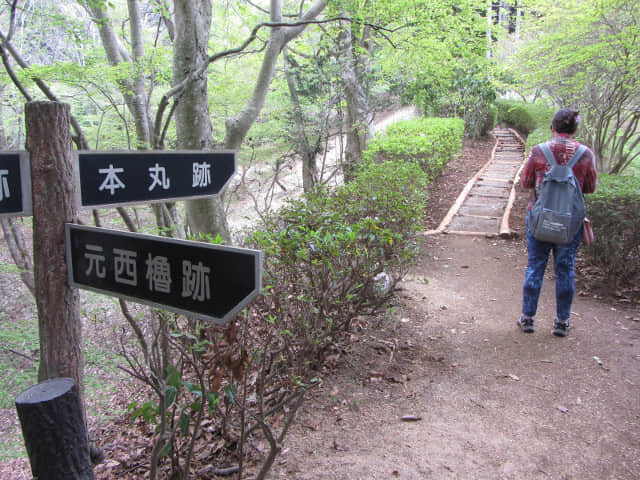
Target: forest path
{"type": "Point", "coordinates": [447, 387]}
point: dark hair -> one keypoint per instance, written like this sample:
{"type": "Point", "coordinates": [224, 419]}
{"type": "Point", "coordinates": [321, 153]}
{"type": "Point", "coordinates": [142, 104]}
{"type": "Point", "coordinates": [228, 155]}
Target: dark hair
{"type": "Point", "coordinates": [566, 121]}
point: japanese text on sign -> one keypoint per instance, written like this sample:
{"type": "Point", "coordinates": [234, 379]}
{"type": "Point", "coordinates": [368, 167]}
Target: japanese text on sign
{"type": "Point", "coordinates": [208, 280]}
{"type": "Point", "coordinates": [157, 272]}
{"type": "Point", "coordinates": [15, 184]}
{"type": "Point", "coordinates": [4, 185]}
{"type": "Point", "coordinates": [111, 178]}
{"type": "Point", "coordinates": [158, 175]}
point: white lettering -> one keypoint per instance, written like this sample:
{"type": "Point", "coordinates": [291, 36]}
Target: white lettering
{"type": "Point", "coordinates": [201, 174]}
{"type": "Point", "coordinates": [158, 274]}
{"type": "Point", "coordinates": [125, 266]}
{"type": "Point", "coordinates": [159, 176]}
{"type": "Point", "coordinates": [111, 182]}
{"type": "Point", "coordinates": [96, 261]}
{"type": "Point", "coordinates": [195, 281]}
{"type": "Point", "coordinates": [4, 186]}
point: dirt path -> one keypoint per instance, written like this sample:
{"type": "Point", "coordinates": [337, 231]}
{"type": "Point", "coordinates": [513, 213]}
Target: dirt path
{"type": "Point", "coordinates": [492, 402]}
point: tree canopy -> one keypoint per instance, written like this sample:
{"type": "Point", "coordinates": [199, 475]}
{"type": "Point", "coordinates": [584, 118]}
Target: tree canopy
{"type": "Point", "coordinates": [586, 54]}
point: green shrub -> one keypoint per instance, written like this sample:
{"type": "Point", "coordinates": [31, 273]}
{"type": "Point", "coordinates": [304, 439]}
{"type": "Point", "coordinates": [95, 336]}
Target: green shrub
{"type": "Point", "coordinates": [466, 92]}
{"type": "Point", "coordinates": [524, 117]}
{"type": "Point", "coordinates": [487, 124]}
{"type": "Point", "coordinates": [539, 135]}
{"type": "Point", "coordinates": [432, 142]}
{"type": "Point", "coordinates": [336, 255]}
{"type": "Point", "coordinates": [614, 210]}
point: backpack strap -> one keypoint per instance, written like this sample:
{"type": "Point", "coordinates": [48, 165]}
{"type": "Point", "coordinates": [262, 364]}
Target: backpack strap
{"type": "Point", "coordinates": [548, 155]}
{"type": "Point", "coordinates": [576, 156]}
{"type": "Point", "coordinates": [552, 160]}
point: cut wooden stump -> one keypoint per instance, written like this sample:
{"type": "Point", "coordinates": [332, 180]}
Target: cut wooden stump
{"type": "Point", "coordinates": [54, 431]}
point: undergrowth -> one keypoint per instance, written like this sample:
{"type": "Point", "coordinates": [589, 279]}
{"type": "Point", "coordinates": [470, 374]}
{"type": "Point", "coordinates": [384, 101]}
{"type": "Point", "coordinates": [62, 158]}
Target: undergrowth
{"type": "Point", "coordinates": [614, 210]}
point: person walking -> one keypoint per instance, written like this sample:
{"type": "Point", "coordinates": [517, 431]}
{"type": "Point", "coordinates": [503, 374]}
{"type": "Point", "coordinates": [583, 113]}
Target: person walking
{"type": "Point", "coordinates": [562, 145]}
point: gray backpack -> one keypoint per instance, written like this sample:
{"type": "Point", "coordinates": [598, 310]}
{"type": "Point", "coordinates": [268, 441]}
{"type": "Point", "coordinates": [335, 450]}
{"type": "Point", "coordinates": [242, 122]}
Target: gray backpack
{"type": "Point", "coordinates": [559, 211]}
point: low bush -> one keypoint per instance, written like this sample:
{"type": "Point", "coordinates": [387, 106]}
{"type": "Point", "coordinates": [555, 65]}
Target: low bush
{"type": "Point", "coordinates": [432, 142]}
{"type": "Point", "coordinates": [524, 117]}
{"type": "Point", "coordinates": [539, 135]}
{"type": "Point", "coordinates": [614, 210]}
{"type": "Point", "coordinates": [336, 255]}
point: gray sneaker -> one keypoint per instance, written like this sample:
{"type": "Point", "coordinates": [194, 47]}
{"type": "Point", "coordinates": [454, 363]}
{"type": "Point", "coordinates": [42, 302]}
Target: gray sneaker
{"type": "Point", "coordinates": [526, 324]}
{"type": "Point", "coordinates": [561, 329]}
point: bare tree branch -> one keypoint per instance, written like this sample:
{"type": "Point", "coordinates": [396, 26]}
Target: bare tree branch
{"type": "Point", "coordinates": [294, 29]}
{"type": "Point", "coordinates": [15, 241]}
{"type": "Point", "coordinates": [81, 141]}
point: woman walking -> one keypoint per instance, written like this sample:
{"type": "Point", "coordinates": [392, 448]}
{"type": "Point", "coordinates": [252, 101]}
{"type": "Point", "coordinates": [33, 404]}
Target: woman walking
{"type": "Point", "coordinates": [562, 145]}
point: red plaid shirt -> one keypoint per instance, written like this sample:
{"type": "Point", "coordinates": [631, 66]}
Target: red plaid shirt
{"type": "Point", "coordinates": [563, 148]}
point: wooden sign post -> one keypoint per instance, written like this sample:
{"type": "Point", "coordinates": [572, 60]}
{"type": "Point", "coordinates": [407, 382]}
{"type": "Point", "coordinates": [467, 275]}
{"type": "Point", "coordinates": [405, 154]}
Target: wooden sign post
{"type": "Point", "coordinates": [61, 354]}
{"type": "Point", "coordinates": [52, 179]}
{"type": "Point", "coordinates": [212, 282]}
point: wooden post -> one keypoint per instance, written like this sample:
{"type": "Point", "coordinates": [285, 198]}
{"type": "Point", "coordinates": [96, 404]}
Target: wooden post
{"type": "Point", "coordinates": [51, 152]}
{"type": "Point", "coordinates": [54, 431]}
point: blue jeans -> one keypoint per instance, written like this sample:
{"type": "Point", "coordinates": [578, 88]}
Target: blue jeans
{"type": "Point", "coordinates": [564, 260]}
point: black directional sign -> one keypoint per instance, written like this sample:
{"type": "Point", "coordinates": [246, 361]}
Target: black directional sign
{"type": "Point", "coordinates": [210, 281]}
{"type": "Point", "coordinates": [15, 184]}
{"type": "Point", "coordinates": [118, 178]}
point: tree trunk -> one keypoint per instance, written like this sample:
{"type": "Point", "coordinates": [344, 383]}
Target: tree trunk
{"type": "Point", "coordinates": [192, 24]}
{"type": "Point", "coordinates": [138, 98]}
{"type": "Point", "coordinates": [54, 432]}
{"type": "Point", "coordinates": [132, 89]}
{"type": "Point", "coordinates": [302, 142]}
{"type": "Point", "coordinates": [193, 123]}
{"type": "Point", "coordinates": [359, 119]}
{"type": "Point", "coordinates": [238, 126]}
{"type": "Point", "coordinates": [489, 33]}
{"type": "Point", "coordinates": [53, 182]}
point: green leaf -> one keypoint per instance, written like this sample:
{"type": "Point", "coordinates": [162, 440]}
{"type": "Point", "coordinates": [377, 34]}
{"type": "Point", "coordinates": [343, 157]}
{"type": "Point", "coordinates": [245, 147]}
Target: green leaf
{"type": "Point", "coordinates": [173, 377]}
{"type": "Point", "coordinates": [166, 449]}
{"type": "Point", "coordinates": [170, 395]}
{"type": "Point", "coordinates": [184, 423]}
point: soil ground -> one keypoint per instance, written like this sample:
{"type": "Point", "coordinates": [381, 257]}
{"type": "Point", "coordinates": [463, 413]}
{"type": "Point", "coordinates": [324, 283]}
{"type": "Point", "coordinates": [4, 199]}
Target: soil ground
{"type": "Point", "coordinates": [447, 387]}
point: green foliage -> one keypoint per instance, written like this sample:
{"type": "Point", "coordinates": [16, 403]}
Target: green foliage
{"type": "Point", "coordinates": [333, 256]}
{"type": "Point", "coordinates": [524, 117]}
{"type": "Point", "coordinates": [431, 142]}
{"type": "Point", "coordinates": [539, 135]}
{"type": "Point", "coordinates": [585, 54]}
{"type": "Point", "coordinates": [468, 94]}
{"type": "Point", "coordinates": [437, 61]}
{"type": "Point", "coordinates": [614, 211]}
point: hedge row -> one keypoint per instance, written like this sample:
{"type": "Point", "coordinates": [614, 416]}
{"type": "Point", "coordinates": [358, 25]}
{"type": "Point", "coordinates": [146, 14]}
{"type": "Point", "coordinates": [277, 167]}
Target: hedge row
{"type": "Point", "coordinates": [524, 117]}
{"type": "Point", "coordinates": [336, 255]}
{"type": "Point", "coordinates": [614, 210]}
{"type": "Point", "coordinates": [430, 141]}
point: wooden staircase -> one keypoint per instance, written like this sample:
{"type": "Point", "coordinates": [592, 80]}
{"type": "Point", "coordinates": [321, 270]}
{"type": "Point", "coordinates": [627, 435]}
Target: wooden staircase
{"type": "Point", "coordinates": [484, 205]}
